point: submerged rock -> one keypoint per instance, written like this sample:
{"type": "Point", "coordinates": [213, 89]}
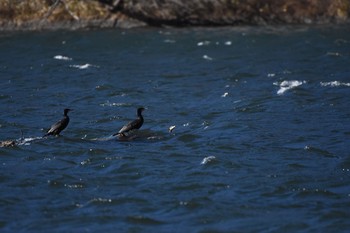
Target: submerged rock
{"type": "Point", "coordinates": [8, 143]}
{"type": "Point", "coordinates": [52, 14]}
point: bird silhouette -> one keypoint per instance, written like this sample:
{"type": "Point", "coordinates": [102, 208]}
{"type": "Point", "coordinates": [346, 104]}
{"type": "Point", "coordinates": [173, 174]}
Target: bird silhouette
{"type": "Point", "coordinates": [59, 125]}
{"type": "Point", "coordinates": [135, 124]}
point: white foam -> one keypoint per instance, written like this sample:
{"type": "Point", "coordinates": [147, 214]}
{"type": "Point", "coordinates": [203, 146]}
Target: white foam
{"type": "Point", "coordinates": [202, 43]}
{"type": "Point", "coordinates": [111, 104]}
{"type": "Point", "coordinates": [208, 160]}
{"type": "Point", "coordinates": [224, 95]}
{"type": "Point", "coordinates": [27, 141]}
{"type": "Point", "coordinates": [82, 67]}
{"type": "Point", "coordinates": [334, 84]}
{"type": "Point", "coordinates": [169, 41]}
{"type": "Point", "coordinates": [60, 57]}
{"type": "Point", "coordinates": [206, 57]}
{"type": "Point", "coordinates": [288, 85]}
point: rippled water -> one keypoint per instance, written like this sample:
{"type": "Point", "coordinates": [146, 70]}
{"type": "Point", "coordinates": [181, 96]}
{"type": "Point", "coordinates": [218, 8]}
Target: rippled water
{"type": "Point", "coordinates": [260, 144]}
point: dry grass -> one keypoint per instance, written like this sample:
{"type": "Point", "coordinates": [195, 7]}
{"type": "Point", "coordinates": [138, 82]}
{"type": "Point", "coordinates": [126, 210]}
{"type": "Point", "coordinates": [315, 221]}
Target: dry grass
{"type": "Point", "coordinates": [38, 9]}
{"type": "Point", "coordinates": [19, 13]}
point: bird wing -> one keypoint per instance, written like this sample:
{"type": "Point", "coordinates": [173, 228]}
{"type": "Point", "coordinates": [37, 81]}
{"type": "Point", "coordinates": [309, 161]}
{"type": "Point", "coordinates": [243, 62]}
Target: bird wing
{"type": "Point", "coordinates": [59, 125]}
{"type": "Point", "coordinates": [128, 127]}
{"type": "Point", "coordinates": [135, 124]}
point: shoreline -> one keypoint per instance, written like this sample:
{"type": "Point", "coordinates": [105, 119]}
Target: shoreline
{"type": "Point", "coordinates": [36, 15]}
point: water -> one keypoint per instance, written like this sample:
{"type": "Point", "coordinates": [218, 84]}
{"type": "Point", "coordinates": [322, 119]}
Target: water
{"type": "Point", "coordinates": [260, 144]}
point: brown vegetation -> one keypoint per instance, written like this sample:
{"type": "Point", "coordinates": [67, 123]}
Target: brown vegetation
{"type": "Point", "coordinates": [231, 12]}
{"type": "Point", "coordinates": [43, 14]}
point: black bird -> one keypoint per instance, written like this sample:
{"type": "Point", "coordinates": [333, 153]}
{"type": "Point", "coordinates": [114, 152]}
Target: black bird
{"type": "Point", "coordinates": [60, 125]}
{"type": "Point", "coordinates": [135, 124]}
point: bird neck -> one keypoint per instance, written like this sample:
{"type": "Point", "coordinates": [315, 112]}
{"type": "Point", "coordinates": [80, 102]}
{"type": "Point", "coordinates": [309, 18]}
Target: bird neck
{"type": "Point", "coordinates": [139, 114]}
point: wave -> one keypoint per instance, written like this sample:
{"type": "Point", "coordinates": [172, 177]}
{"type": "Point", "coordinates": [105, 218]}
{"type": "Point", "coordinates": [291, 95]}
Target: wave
{"type": "Point", "coordinates": [64, 58]}
{"type": "Point", "coordinates": [287, 85]}
{"type": "Point", "coordinates": [208, 159]}
{"type": "Point", "coordinates": [334, 84]}
{"type": "Point", "coordinates": [85, 66]}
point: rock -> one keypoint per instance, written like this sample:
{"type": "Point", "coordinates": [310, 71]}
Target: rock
{"type": "Point", "coordinates": [7, 143]}
{"type": "Point", "coordinates": [75, 14]}
{"type": "Point", "coordinates": [225, 12]}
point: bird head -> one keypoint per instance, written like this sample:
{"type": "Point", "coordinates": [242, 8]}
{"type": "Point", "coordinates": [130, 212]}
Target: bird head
{"type": "Point", "coordinates": [66, 110]}
{"type": "Point", "coordinates": [140, 110]}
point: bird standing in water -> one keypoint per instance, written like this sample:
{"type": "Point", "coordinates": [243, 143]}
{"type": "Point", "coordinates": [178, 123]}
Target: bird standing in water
{"type": "Point", "coordinates": [60, 125]}
{"type": "Point", "coordinates": [135, 124]}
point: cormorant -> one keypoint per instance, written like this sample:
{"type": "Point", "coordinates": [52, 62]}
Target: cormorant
{"type": "Point", "coordinates": [135, 124]}
{"type": "Point", "coordinates": [60, 125]}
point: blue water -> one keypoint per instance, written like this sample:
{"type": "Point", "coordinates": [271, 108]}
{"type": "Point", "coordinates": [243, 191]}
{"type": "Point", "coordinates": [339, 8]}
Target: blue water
{"type": "Point", "coordinates": [260, 144]}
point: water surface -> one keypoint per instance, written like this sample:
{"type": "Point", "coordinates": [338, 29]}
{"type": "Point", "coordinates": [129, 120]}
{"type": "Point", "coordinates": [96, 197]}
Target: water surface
{"type": "Point", "coordinates": [260, 142]}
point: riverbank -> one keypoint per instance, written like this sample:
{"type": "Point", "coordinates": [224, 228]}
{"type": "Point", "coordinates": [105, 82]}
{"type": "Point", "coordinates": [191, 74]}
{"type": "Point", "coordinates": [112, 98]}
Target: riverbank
{"type": "Point", "coordinates": [77, 14]}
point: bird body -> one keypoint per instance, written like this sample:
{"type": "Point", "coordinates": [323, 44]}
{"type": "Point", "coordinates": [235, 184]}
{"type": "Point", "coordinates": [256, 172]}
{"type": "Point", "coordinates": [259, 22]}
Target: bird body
{"type": "Point", "coordinates": [60, 125]}
{"type": "Point", "coordinates": [132, 125]}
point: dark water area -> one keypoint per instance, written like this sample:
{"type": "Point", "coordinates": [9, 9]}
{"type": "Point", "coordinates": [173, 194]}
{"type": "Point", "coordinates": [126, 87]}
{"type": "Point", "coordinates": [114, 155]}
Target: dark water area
{"type": "Point", "coordinates": [260, 144]}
